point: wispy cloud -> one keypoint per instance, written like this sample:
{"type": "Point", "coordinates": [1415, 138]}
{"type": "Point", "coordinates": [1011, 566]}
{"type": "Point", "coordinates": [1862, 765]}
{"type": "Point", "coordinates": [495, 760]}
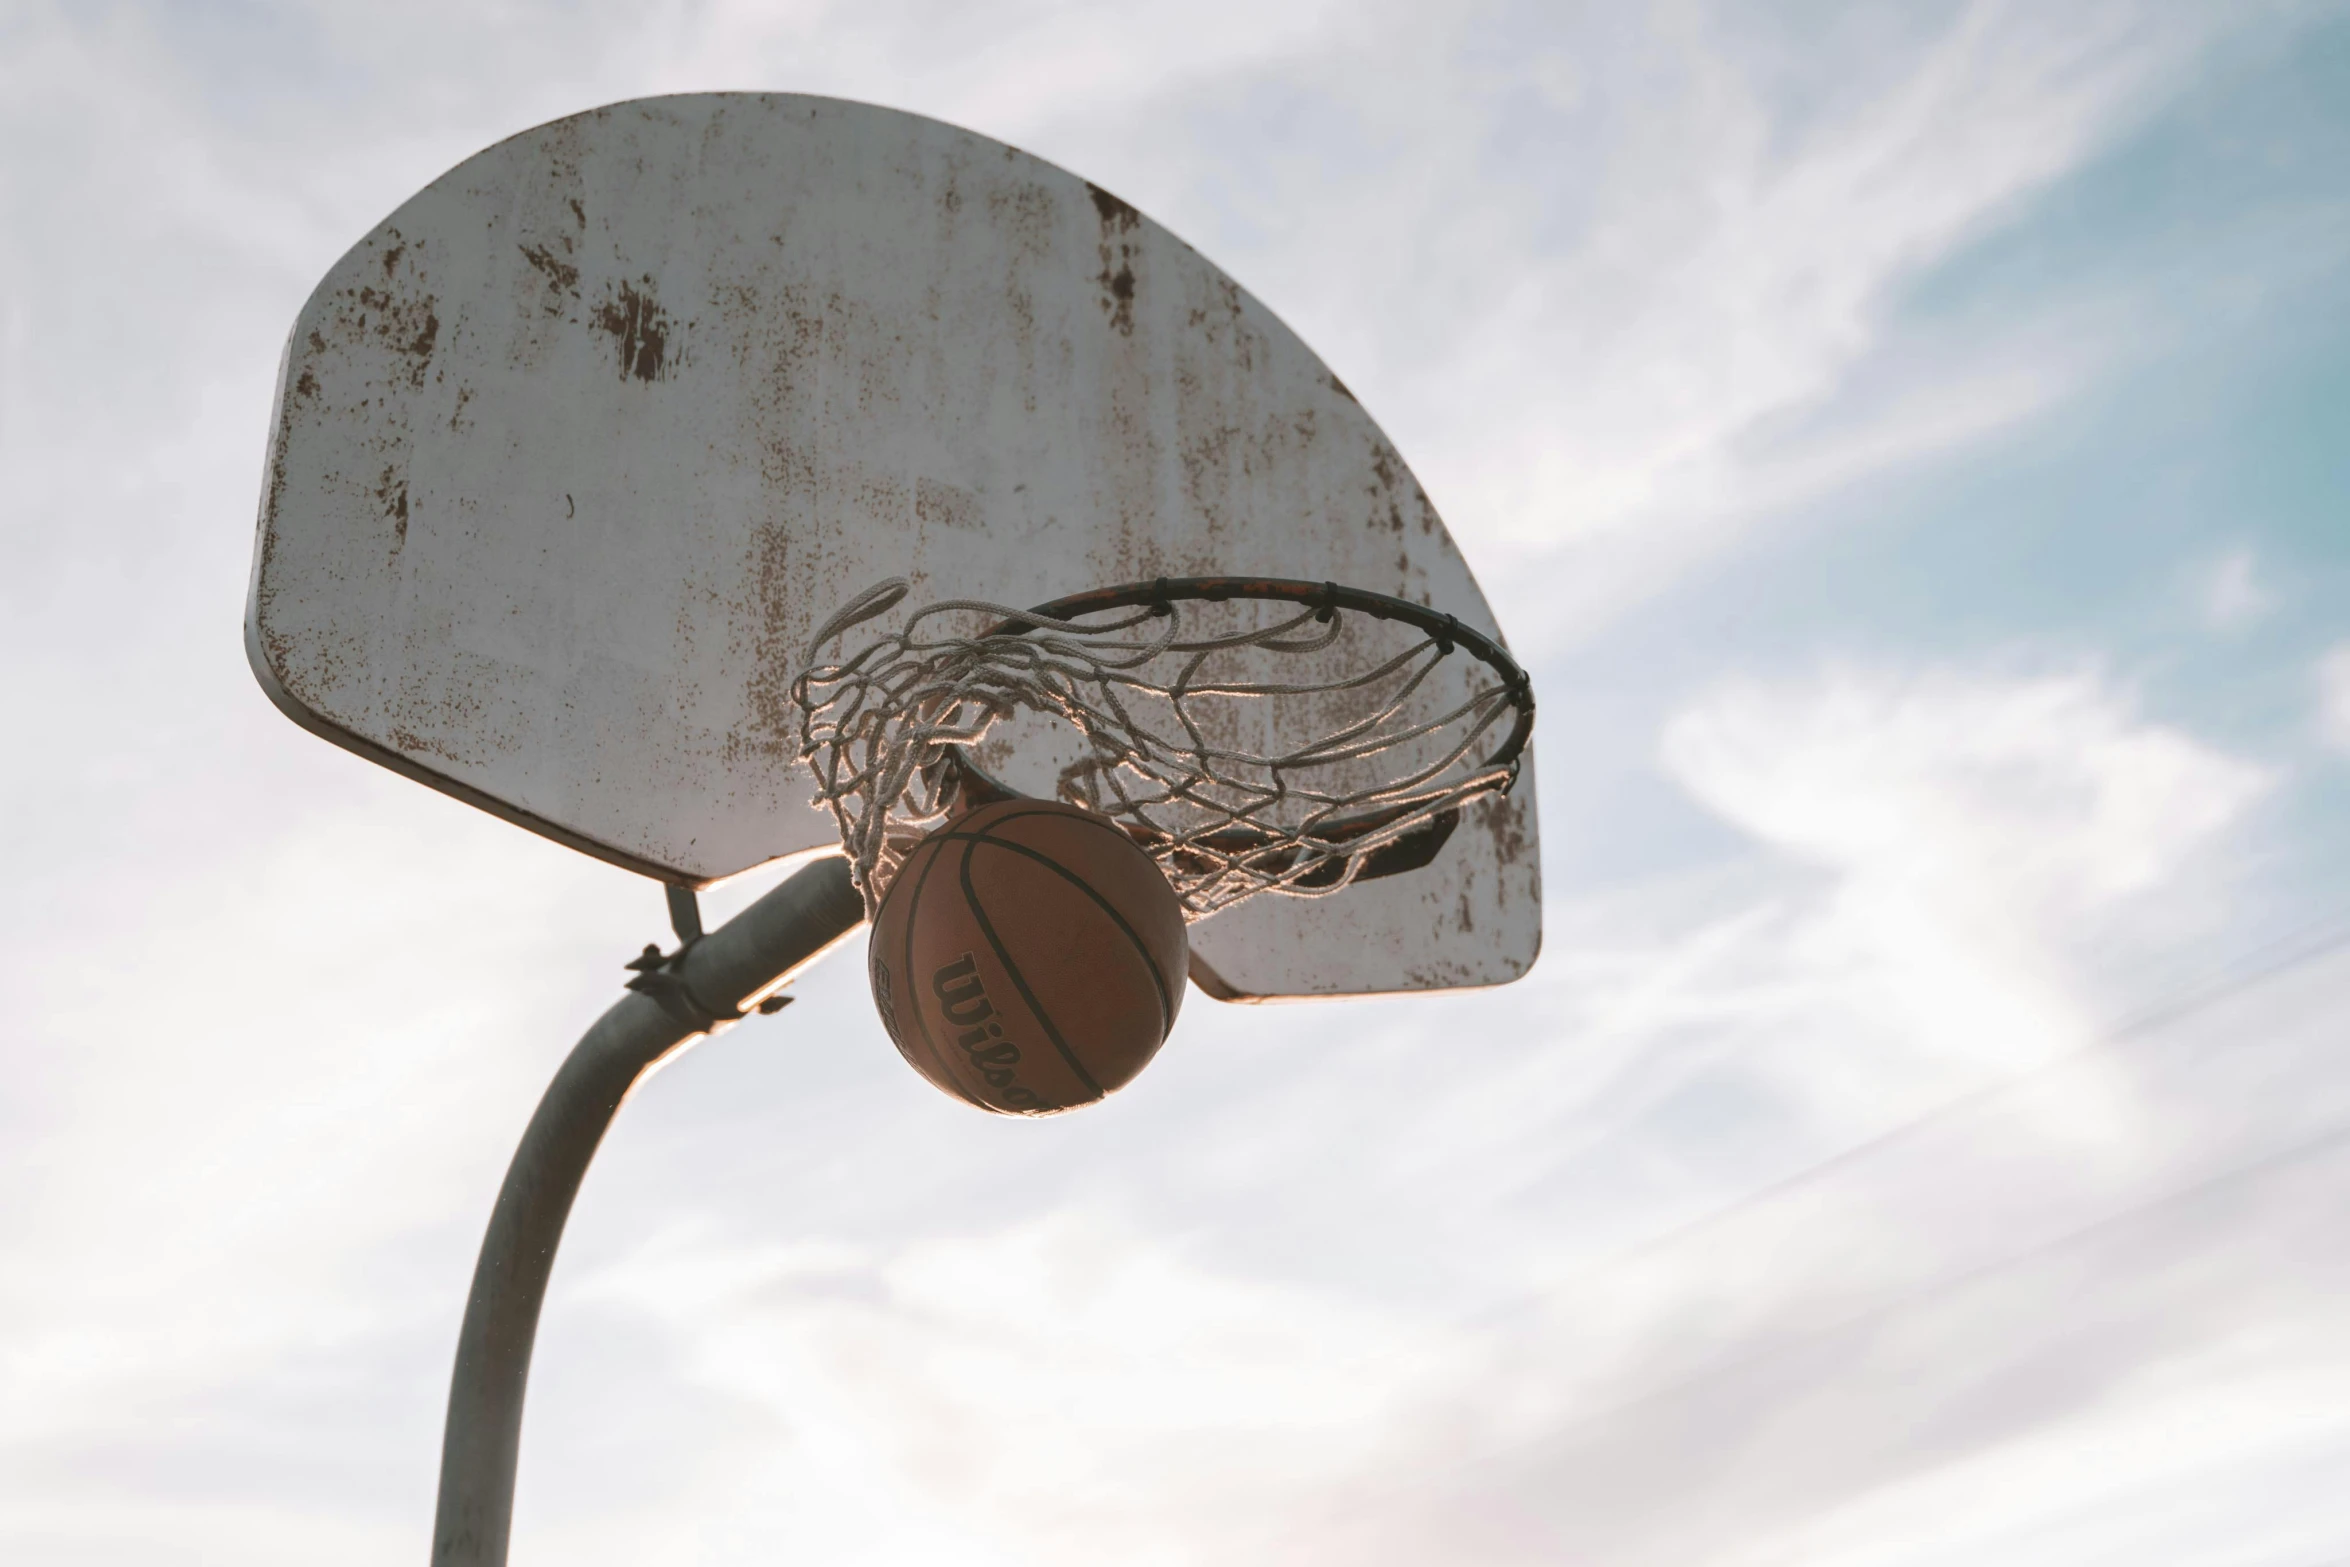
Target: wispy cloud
{"type": "Point", "coordinates": [2230, 592]}
{"type": "Point", "coordinates": [2333, 697]}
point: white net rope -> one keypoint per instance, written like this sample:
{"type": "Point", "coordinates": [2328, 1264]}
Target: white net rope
{"type": "Point", "coordinates": [1375, 744]}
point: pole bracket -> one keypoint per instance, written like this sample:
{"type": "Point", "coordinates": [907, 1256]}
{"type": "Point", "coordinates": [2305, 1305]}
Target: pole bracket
{"type": "Point", "coordinates": [661, 976]}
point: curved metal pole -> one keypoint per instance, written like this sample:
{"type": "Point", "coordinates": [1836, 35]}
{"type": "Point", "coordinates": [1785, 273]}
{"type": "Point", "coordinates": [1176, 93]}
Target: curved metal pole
{"type": "Point", "coordinates": [699, 990]}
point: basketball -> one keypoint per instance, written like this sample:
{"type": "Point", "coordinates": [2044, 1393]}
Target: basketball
{"type": "Point", "coordinates": [1029, 958]}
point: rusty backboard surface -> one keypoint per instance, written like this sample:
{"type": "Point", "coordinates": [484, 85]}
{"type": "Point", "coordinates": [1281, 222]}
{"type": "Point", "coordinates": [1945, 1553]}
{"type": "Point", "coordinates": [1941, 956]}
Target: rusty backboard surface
{"type": "Point", "coordinates": [573, 452]}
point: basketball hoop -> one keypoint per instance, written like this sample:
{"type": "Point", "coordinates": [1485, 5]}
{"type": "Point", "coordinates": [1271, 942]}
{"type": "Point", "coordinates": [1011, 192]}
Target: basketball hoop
{"type": "Point", "coordinates": [1172, 696]}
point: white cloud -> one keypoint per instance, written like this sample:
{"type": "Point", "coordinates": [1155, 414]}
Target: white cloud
{"type": "Point", "coordinates": [2169, 1470]}
{"type": "Point", "coordinates": [1710, 346]}
{"type": "Point", "coordinates": [2229, 591]}
{"type": "Point", "coordinates": [1975, 825]}
{"type": "Point", "coordinates": [1752, 289]}
{"type": "Point", "coordinates": [1062, 1389]}
{"type": "Point", "coordinates": [2333, 697]}
{"type": "Point", "coordinates": [2046, 790]}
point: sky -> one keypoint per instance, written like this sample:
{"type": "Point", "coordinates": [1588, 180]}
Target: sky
{"type": "Point", "coordinates": [1909, 444]}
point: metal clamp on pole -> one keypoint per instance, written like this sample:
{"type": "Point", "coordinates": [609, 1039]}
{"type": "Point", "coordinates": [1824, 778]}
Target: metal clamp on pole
{"type": "Point", "coordinates": [701, 987]}
{"type": "Point", "coordinates": [662, 975]}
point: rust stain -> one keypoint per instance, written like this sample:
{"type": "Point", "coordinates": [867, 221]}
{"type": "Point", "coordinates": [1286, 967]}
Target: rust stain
{"type": "Point", "coordinates": [1499, 819]}
{"type": "Point", "coordinates": [1028, 212]}
{"type": "Point", "coordinates": [273, 642]}
{"type": "Point", "coordinates": [414, 744]}
{"type": "Point", "coordinates": [641, 327]}
{"type": "Point", "coordinates": [1115, 213]}
{"type": "Point", "coordinates": [306, 384]}
{"type": "Point", "coordinates": [1118, 250]}
{"type": "Point", "coordinates": [561, 273]}
{"type": "Point", "coordinates": [783, 342]}
{"type": "Point", "coordinates": [775, 575]}
{"type": "Point", "coordinates": [392, 491]}
{"type": "Point", "coordinates": [945, 505]}
{"type": "Point", "coordinates": [409, 327]}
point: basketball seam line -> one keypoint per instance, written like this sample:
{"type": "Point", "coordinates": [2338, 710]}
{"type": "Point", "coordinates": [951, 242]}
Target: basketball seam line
{"type": "Point", "coordinates": [1141, 949]}
{"type": "Point", "coordinates": [914, 1000]}
{"type": "Point", "coordinates": [877, 958]}
{"type": "Point", "coordinates": [1044, 808]}
{"type": "Point", "coordinates": [1012, 970]}
{"type": "Point", "coordinates": [1104, 824]}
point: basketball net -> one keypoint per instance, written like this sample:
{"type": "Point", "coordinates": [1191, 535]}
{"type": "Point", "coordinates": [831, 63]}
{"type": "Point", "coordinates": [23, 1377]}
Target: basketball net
{"type": "Point", "coordinates": [888, 727]}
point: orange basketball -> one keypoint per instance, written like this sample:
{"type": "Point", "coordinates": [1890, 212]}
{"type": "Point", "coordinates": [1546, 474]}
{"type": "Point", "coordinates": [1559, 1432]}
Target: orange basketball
{"type": "Point", "coordinates": [1029, 957]}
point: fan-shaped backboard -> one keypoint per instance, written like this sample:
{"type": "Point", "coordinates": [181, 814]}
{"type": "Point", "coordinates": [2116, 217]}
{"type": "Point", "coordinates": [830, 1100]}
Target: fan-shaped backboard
{"type": "Point", "coordinates": [573, 452]}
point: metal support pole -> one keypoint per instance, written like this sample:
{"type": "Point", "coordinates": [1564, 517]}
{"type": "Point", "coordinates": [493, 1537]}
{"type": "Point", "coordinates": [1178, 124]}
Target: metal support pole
{"type": "Point", "coordinates": [701, 988]}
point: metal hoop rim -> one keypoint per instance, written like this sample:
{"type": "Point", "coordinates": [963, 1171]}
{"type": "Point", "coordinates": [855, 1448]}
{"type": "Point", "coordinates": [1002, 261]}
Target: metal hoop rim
{"type": "Point", "coordinates": [1407, 853]}
{"type": "Point", "coordinates": [1328, 597]}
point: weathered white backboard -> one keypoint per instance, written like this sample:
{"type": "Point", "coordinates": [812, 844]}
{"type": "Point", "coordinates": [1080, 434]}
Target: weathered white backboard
{"type": "Point", "coordinates": [573, 452]}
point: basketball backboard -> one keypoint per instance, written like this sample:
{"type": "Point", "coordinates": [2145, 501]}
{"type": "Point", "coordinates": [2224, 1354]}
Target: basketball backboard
{"type": "Point", "coordinates": [575, 450]}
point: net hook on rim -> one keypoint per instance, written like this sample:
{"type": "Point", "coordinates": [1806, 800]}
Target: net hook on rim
{"type": "Point", "coordinates": [878, 599]}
